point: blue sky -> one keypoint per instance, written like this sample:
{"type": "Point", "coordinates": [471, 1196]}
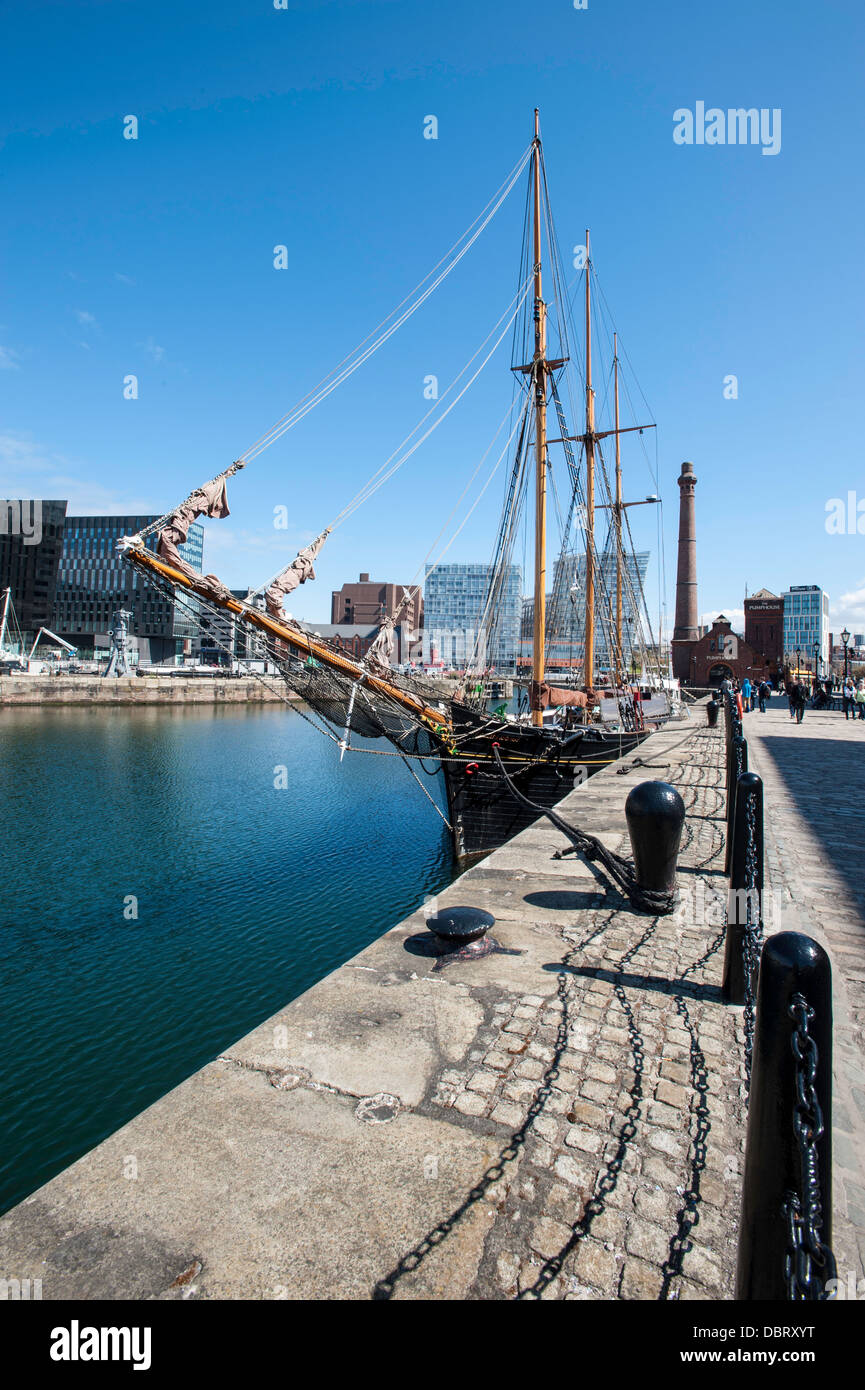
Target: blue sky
{"type": "Point", "coordinates": [303, 126]}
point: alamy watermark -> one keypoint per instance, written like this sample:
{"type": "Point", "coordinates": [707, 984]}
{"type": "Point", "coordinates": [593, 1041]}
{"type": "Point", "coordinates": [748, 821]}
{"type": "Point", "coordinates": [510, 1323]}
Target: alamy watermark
{"type": "Point", "coordinates": [735, 126]}
{"type": "Point", "coordinates": [845, 518]}
{"type": "Point", "coordinates": [15, 520]}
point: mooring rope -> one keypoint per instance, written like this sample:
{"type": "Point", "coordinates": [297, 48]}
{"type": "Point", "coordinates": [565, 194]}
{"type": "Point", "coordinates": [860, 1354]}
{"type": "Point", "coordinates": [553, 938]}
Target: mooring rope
{"type": "Point", "coordinates": [620, 870]}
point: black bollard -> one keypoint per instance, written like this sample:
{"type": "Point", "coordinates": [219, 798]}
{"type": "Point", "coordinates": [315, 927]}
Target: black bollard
{"type": "Point", "coordinates": [791, 964]}
{"type": "Point", "coordinates": [655, 813]}
{"type": "Point", "coordinates": [712, 709]}
{"type": "Point", "coordinates": [748, 807]}
{"type": "Point", "coordinates": [457, 926]}
{"type": "Point", "coordinates": [737, 763]}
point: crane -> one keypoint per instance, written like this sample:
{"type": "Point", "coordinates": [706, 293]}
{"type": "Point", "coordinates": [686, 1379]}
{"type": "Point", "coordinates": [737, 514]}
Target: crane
{"type": "Point", "coordinates": [54, 638]}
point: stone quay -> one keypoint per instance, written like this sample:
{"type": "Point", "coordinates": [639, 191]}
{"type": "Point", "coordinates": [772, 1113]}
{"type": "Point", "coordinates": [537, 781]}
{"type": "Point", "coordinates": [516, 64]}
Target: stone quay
{"type": "Point", "coordinates": [562, 1117]}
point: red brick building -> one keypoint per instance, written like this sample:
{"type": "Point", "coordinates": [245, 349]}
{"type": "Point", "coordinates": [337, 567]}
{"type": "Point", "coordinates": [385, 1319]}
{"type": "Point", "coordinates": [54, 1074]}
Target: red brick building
{"type": "Point", "coordinates": [368, 602]}
{"type": "Point", "coordinates": [764, 628]}
{"type": "Point", "coordinates": [718, 654]}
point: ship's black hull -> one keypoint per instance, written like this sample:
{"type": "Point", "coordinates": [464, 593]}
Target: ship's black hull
{"type": "Point", "coordinates": [545, 765]}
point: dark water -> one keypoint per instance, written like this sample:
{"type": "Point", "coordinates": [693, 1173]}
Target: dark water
{"type": "Point", "coordinates": [247, 895]}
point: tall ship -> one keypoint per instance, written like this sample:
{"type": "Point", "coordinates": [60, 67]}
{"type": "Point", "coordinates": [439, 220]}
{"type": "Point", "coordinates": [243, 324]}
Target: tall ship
{"type": "Point", "coordinates": [501, 767]}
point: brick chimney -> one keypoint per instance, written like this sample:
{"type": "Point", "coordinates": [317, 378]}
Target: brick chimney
{"type": "Point", "coordinates": [686, 628]}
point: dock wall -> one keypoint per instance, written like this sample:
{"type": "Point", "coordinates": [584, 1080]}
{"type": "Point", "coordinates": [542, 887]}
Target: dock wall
{"type": "Point", "coordinates": [138, 690]}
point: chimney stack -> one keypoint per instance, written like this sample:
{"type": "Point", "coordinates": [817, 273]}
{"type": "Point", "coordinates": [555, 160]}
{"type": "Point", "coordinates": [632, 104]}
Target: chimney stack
{"type": "Point", "coordinates": [686, 628]}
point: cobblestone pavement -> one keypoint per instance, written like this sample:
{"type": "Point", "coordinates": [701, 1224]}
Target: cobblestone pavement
{"type": "Point", "coordinates": [813, 776]}
{"type": "Point", "coordinates": [622, 1094]}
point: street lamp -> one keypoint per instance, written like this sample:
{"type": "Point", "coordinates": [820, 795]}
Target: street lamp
{"type": "Point", "coordinates": [845, 638]}
{"type": "Point", "coordinates": [816, 662]}
{"type": "Point", "coordinates": [798, 659]}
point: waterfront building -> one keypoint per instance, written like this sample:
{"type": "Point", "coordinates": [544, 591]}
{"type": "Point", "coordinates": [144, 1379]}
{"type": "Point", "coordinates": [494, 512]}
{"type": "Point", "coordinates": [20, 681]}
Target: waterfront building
{"type": "Point", "coordinates": [31, 542]}
{"type": "Point", "coordinates": [806, 623]}
{"type": "Point", "coordinates": [454, 600]}
{"type": "Point", "coordinates": [355, 639]}
{"type": "Point", "coordinates": [224, 641]}
{"type": "Point", "coordinates": [718, 655]}
{"type": "Point", "coordinates": [527, 625]}
{"type": "Point", "coordinates": [368, 602]}
{"type": "Point", "coordinates": [764, 628]}
{"type": "Point", "coordinates": [94, 581]}
{"type": "Point", "coordinates": [566, 613]}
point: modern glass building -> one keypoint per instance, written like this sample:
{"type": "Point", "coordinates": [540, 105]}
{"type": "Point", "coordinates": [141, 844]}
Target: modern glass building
{"type": "Point", "coordinates": [806, 622]}
{"type": "Point", "coordinates": [94, 580]}
{"type": "Point", "coordinates": [566, 614]}
{"type": "Point", "coordinates": [454, 600]}
{"type": "Point", "coordinates": [31, 543]}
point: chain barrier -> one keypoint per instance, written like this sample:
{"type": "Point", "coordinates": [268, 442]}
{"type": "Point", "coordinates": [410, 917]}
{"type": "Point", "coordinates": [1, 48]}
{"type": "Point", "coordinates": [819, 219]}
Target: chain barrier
{"type": "Point", "coordinates": [752, 937]}
{"type": "Point", "coordinates": [809, 1262]}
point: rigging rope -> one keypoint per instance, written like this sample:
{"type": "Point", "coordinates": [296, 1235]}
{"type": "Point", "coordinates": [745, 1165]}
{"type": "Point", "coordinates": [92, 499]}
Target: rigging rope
{"type": "Point", "coordinates": [358, 356]}
{"type": "Point", "coordinates": [380, 477]}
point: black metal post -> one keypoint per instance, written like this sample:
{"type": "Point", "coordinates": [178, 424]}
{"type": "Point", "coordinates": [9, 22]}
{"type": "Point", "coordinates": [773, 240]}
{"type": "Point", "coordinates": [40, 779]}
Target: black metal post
{"type": "Point", "coordinates": [791, 964]}
{"type": "Point", "coordinates": [737, 764]}
{"type": "Point", "coordinates": [655, 813]}
{"type": "Point", "coordinates": [712, 709]}
{"type": "Point", "coordinates": [745, 897]}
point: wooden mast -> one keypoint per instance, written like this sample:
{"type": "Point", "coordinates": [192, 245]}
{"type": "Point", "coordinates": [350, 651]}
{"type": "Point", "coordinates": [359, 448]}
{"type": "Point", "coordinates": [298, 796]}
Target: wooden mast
{"type": "Point", "coordinates": [589, 657]}
{"type": "Point", "coordinates": [539, 381]}
{"type": "Point", "coordinates": [618, 515]}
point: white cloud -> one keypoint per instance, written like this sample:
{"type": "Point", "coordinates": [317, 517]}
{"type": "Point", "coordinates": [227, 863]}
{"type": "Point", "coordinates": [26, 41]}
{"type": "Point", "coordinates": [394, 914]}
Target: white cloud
{"type": "Point", "coordinates": [8, 359]}
{"type": "Point", "coordinates": [124, 279]}
{"type": "Point", "coordinates": [849, 611]}
{"type": "Point", "coordinates": [85, 318]}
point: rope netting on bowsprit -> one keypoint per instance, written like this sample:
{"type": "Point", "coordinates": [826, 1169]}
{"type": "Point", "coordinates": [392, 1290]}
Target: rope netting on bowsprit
{"type": "Point", "coordinates": [350, 705]}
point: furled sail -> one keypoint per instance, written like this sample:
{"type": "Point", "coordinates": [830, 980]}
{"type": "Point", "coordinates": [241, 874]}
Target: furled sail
{"type": "Point", "coordinates": [555, 696]}
{"type": "Point", "coordinates": [210, 501]}
{"type": "Point", "coordinates": [295, 574]}
{"type": "Point", "coordinates": [379, 655]}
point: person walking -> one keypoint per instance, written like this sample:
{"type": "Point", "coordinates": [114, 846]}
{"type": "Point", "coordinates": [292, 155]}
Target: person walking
{"type": "Point", "coordinates": [791, 697]}
{"type": "Point", "coordinates": [746, 694]}
{"type": "Point", "coordinates": [859, 698]}
{"type": "Point", "coordinates": [763, 694]}
{"type": "Point", "coordinates": [848, 697]}
{"type": "Point", "coordinates": [801, 701]}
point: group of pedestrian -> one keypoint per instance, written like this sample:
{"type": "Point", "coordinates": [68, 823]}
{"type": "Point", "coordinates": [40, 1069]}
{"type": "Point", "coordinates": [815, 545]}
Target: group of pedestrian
{"type": "Point", "coordinates": [752, 692]}
{"type": "Point", "coordinates": [853, 698]}
{"type": "Point", "coordinates": [798, 695]}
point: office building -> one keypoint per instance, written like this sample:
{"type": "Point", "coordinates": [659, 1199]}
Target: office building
{"type": "Point", "coordinates": [94, 580]}
{"type": "Point", "coordinates": [368, 602]}
{"type": "Point", "coordinates": [455, 597]}
{"type": "Point", "coordinates": [31, 542]}
{"type": "Point", "coordinates": [566, 613]}
{"type": "Point", "coordinates": [806, 624]}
